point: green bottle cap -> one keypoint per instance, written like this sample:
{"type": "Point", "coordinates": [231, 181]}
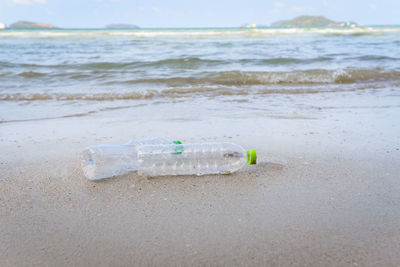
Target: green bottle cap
{"type": "Point", "coordinates": [251, 156]}
{"type": "Point", "coordinates": [177, 142]}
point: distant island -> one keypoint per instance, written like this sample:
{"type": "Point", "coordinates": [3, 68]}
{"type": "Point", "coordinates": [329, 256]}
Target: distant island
{"type": "Point", "coordinates": [31, 25]}
{"type": "Point", "coordinates": [311, 21]}
{"type": "Point", "coordinates": [121, 26]}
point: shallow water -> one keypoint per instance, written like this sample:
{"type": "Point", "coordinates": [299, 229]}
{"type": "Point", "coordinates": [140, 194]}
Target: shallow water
{"type": "Point", "coordinates": [74, 70]}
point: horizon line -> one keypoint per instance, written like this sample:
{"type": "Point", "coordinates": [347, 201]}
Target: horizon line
{"type": "Point", "coordinates": [196, 27]}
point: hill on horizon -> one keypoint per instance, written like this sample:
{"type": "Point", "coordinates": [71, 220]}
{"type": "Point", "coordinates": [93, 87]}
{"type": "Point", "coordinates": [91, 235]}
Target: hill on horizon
{"type": "Point", "coordinates": [310, 21]}
{"type": "Point", "coordinates": [31, 25]}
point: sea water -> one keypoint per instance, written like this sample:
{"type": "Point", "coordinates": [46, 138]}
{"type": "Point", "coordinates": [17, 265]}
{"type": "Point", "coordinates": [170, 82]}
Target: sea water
{"type": "Point", "coordinates": [69, 72]}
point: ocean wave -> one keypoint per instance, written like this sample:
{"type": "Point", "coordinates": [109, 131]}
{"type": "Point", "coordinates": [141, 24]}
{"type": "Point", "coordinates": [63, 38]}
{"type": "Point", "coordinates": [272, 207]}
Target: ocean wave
{"type": "Point", "coordinates": [374, 58]}
{"type": "Point", "coordinates": [225, 78]}
{"type": "Point", "coordinates": [31, 74]}
{"type": "Point", "coordinates": [153, 33]}
{"type": "Point", "coordinates": [180, 62]}
{"type": "Point", "coordinates": [239, 78]}
{"type": "Point", "coordinates": [184, 63]}
{"type": "Point", "coordinates": [291, 60]}
{"type": "Point", "coordinates": [179, 93]}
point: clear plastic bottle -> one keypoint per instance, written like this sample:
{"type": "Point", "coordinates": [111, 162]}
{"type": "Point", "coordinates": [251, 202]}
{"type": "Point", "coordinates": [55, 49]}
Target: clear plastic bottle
{"type": "Point", "coordinates": [103, 161]}
{"type": "Point", "coordinates": [193, 159]}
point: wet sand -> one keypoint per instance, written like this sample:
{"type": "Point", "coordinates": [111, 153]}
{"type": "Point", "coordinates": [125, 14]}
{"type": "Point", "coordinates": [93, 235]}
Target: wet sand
{"type": "Point", "coordinates": [325, 191]}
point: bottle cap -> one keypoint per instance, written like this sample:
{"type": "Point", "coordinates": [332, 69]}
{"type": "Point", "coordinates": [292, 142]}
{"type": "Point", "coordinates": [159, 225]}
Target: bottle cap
{"type": "Point", "coordinates": [251, 156]}
{"type": "Point", "coordinates": [177, 142]}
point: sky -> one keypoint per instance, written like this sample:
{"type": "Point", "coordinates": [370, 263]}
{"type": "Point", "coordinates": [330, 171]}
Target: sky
{"type": "Point", "coordinates": [186, 13]}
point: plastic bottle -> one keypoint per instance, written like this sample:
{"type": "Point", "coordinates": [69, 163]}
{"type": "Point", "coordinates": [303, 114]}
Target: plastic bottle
{"type": "Point", "coordinates": [103, 161]}
{"type": "Point", "coordinates": [189, 159]}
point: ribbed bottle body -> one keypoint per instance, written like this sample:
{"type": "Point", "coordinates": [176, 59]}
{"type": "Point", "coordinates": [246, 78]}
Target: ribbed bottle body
{"type": "Point", "coordinates": [187, 159]}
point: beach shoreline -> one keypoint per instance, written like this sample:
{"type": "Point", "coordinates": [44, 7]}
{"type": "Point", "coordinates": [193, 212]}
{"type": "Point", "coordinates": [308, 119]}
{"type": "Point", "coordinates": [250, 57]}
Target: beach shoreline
{"type": "Point", "coordinates": [325, 191]}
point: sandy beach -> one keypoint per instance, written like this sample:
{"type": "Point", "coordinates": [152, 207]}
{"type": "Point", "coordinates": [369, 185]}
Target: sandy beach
{"type": "Point", "coordinates": [325, 191]}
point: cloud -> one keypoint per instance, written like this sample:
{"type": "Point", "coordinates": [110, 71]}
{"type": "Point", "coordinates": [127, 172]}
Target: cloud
{"type": "Point", "coordinates": [275, 11]}
{"type": "Point", "coordinates": [303, 9]}
{"type": "Point", "coordinates": [372, 6]}
{"type": "Point", "coordinates": [298, 9]}
{"type": "Point", "coordinates": [156, 10]}
{"type": "Point", "coordinates": [21, 2]}
{"type": "Point", "coordinates": [49, 12]}
{"type": "Point", "coordinates": [279, 4]}
{"type": "Point", "coordinates": [28, 2]}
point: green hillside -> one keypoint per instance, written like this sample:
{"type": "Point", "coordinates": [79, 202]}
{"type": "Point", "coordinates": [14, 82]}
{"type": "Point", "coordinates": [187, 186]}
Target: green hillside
{"type": "Point", "coordinates": [30, 25]}
{"type": "Point", "coordinates": [305, 21]}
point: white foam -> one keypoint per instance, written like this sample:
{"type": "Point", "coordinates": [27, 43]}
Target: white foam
{"type": "Point", "coordinates": [152, 33]}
